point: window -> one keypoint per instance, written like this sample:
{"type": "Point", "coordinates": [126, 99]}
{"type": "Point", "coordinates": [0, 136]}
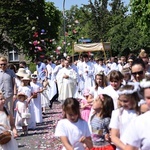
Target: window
{"type": "Point", "coordinates": [13, 55]}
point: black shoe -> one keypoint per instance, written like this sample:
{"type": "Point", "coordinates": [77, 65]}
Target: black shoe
{"type": "Point", "coordinates": [43, 113]}
{"type": "Point", "coordinates": [50, 106]}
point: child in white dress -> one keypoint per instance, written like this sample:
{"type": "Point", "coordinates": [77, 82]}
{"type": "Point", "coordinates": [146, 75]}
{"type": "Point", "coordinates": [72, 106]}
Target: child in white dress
{"type": "Point", "coordinates": [100, 84]}
{"type": "Point", "coordinates": [21, 109]}
{"type": "Point", "coordinates": [72, 130]}
{"type": "Point", "coordinates": [45, 96]}
{"type": "Point", "coordinates": [27, 89]}
{"type": "Point", "coordinates": [37, 89]}
{"type": "Point", "coordinates": [7, 121]}
{"type": "Point", "coordinates": [115, 80]}
{"type": "Point", "coordinates": [19, 75]}
{"type": "Point", "coordinates": [139, 132]}
{"type": "Point", "coordinates": [121, 117]}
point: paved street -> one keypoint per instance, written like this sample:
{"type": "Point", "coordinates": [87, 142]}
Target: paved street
{"type": "Point", "coordinates": [43, 137]}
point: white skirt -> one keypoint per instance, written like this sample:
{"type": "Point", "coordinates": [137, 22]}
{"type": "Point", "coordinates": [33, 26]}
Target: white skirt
{"type": "Point", "coordinates": [44, 99]}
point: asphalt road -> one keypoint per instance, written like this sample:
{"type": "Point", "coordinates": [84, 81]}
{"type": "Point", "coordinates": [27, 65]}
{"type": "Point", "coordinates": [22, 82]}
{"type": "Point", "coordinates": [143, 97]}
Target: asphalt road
{"type": "Point", "coordinates": [42, 138]}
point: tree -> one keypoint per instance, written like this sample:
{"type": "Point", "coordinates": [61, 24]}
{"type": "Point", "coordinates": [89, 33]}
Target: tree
{"type": "Point", "coordinates": [98, 19]}
{"type": "Point", "coordinates": [45, 33]}
{"type": "Point", "coordinates": [117, 28]}
{"type": "Point", "coordinates": [23, 21]}
{"type": "Point", "coordinates": [73, 29]}
{"type": "Point", "coordinates": [141, 12]}
{"type": "Point", "coordinates": [124, 34]}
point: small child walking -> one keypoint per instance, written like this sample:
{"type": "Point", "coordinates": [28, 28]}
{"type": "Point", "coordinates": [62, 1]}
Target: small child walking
{"type": "Point", "coordinates": [22, 114]}
{"type": "Point", "coordinates": [72, 130]}
{"type": "Point", "coordinates": [103, 107]}
{"type": "Point", "coordinates": [28, 90]}
{"type": "Point", "coordinates": [128, 110]}
{"type": "Point", "coordinates": [36, 101]}
{"type": "Point", "coordinates": [85, 106]}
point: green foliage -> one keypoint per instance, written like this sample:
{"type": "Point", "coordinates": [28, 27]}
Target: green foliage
{"type": "Point", "coordinates": [141, 13]}
{"type": "Point", "coordinates": [73, 29]}
{"type": "Point", "coordinates": [32, 67]}
{"type": "Point", "coordinates": [98, 19]}
{"type": "Point", "coordinates": [22, 19]}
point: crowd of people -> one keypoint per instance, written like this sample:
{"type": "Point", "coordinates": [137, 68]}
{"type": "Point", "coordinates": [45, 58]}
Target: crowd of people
{"type": "Point", "coordinates": [112, 105]}
{"type": "Point", "coordinates": [105, 103]}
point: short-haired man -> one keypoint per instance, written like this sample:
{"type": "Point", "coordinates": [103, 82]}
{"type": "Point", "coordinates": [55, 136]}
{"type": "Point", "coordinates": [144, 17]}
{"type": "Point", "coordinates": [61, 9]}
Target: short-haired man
{"type": "Point", "coordinates": [7, 84]}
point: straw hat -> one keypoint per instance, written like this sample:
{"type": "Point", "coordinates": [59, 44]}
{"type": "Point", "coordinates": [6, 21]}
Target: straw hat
{"type": "Point", "coordinates": [26, 77]}
{"type": "Point", "coordinates": [22, 94]}
{"type": "Point", "coordinates": [21, 72]}
{"type": "Point", "coordinates": [35, 72]}
{"type": "Point", "coordinates": [34, 76]}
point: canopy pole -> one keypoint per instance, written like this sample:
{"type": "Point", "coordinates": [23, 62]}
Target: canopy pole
{"type": "Point", "coordinates": [110, 53]}
{"type": "Point", "coordinates": [104, 51]}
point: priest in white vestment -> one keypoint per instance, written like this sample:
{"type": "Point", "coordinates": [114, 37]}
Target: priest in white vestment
{"type": "Point", "coordinates": [88, 72]}
{"type": "Point", "coordinates": [67, 81]}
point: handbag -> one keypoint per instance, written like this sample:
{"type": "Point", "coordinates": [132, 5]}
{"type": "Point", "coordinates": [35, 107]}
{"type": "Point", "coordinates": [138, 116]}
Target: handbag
{"type": "Point", "coordinates": [5, 136]}
{"type": "Point", "coordinates": [26, 115]}
{"type": "Point", "coordinates": [34, 95]}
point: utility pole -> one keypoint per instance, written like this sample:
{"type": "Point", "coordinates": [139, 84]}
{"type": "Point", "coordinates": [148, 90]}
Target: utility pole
{"type": "Point", "coordinates": [64, 27]}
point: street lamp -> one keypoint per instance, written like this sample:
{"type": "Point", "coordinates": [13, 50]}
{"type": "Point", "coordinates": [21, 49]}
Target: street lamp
{"type": "Point", "coordinates": [64, 27]}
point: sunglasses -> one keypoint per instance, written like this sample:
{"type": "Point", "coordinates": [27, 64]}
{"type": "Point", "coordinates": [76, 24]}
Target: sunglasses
{"type": "Point", "coordinates": [34, 76]}
{"type": "Point", "coordinates": [137, 73]}
{"type": "Point", "coordinates": [3, 64]}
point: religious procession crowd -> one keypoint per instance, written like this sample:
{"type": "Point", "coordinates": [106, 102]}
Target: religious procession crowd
{"type": "Point", "coordinates": [105, 104]}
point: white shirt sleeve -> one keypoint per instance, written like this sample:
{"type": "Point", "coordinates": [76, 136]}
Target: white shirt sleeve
{"type": "Point", "coordinates": [114, 122]}
{"type": "Point", "coordinates": [60, 130]}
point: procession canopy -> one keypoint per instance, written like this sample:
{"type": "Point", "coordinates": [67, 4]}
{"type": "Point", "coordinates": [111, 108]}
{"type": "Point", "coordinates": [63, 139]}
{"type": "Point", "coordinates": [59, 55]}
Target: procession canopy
{"type": "Point", "coordinates": [91, 47]}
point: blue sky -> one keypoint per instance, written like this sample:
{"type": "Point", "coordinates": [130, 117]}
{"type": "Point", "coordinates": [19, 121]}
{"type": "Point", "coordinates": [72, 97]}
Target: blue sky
{"type": "Point", "coordinates": [69, 3]}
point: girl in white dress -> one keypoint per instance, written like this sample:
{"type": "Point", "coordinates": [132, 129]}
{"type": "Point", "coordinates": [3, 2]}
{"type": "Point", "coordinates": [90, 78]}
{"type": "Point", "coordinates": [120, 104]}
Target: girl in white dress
{"type": "Point", "coordinates": [21, 109]}
{"type": "Point", "coordinates": [100, 83]}
{"type": "Point", "coordinates": [37, 89]}
{"type": "Point", "coordinates": [6, 121]}
{"type": "Point", "coordinates": [28, 90]}
{"type": "Point", "coordinates": [115, 79]}
{"type": "Point", "coordinates": [19, 75]}
{"type": "Point", "coordinates": [139, 137]}
{"type": "Point", "coordinates": [121, 117]}
{"type": "Point", "coordinates": [45, 96]}
{"type": "Point", "coordinates": [72, 130]}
